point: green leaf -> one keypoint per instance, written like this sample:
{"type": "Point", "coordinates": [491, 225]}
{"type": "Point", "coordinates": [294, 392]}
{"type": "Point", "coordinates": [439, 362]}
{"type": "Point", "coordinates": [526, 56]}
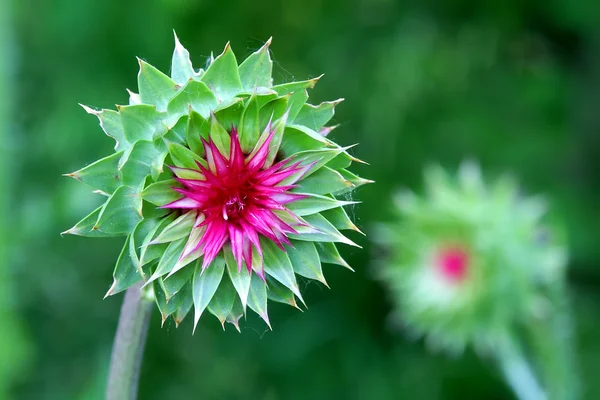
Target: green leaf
{"type": "Point", "coordinates": [323, 181]}
{"type": "Point", "coordinates": [222, 302]}
{"type": "Point", "coordinates": [161, 193]}
{"type": "Point", "coordinates": [149, 252]}
{"type": "Point", "coordinates": [197, 128]}
{"type": "Point", "coordinates": [219, 136]}
{"type": "Point", "coordinates": [356, 180]}
{"type": "Point", "coordinates": [229, 114]}
{"type": "Point", "coordinates": [183, 157]}
{"type": "Point", "coordinates": [279, 293]}
{"type": "Point", "coordinates": [340, 219]}
{"type": "Point", "coordinates": [290, 87]}
{"type": "Point", "coordinates": [239, 279]}
{"type": "Point", "coordinates": [168, 259]}
{"type": "Point", "coordinates": [248, 129]}
{"type": "Point", "coordinates": [305, 260]}
{"type": "Point", "coordinates": [195, 96]}
{"type": "Point", "coordinates": [169, 305]}
{"type": "Point", "coordinates": [191, 248]}
{"type": "Point", "coordinates": [222, 75]}
{"type": "Point", "coordinates": [177, 133]}
{"type": "Point", "coordinates": [172, 284]}
{"type": "Point", "coordinates": [149, 210]}
{"type": "Point", "coordinates": [237, 312]}
{"type": "Point", "coordinates": [125, 273]}
{"type": "Point", "coordinates": [164, 307]}
{"type": "Point", "coordinates": [300, 138]}
{"type": "Point", "coordinates": [325, 232]}
{"type": "Point", "coordinates": [110, 121]}
{"type": "Point", "coordinates": [256, 69]}
{"type": "Point", "coordinates": [141, 122]}
{"type": "Point", "coordinates": [329, 254]}
{"type": "Point", "coordinates": [184, 308]}
{"type": "Point", "coordinates": [145, 159]}
{"type": "Point", "coordinates": [85, 227]}
{"type": "Point", "coordinates": [341, 161]}
{"type": "Point", "coordinates": [315, 117]}
{"type": "Point", "coordinates": [181, 66]}
{"type": "Point", "coordinates": [278, 128]}
{"type": "Point", "coordinates": [296, 102]}
{"type": "Point", "coordinates": [205, 284]}
{"type": "Point", "coordinates": [257, 298]}
{"type": "Point", "coordinates": [318, 158]}
{"type": "Point", "coordinates": [140, 232]}
{"type": "Point", "coordinates": [155, 87]}
{"type": "Point", "coordinates": [313, 204]}
{"type": "Point", "coordinates": [273, 110]}
{"type": "Point", "coordinates": [279, 266]}
{"type": "Point", "coordinates": [102, 175]}
{"type": "Point", "coordinates": [120, 213]}
{"type": "Point", "coordinates": [178, 229]}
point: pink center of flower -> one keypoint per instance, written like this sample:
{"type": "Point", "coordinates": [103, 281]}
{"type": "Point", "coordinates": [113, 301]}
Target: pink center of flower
{"type": "Point", "coordinates": [238, 199]}
{"type": "Point", "coordinates": [453, 263]}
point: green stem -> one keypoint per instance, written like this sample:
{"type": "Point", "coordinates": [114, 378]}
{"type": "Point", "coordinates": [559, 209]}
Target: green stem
{"type": "Point", "coordinates": [518, 372]}
{"type": "Point", "coordinates": [128, 348]}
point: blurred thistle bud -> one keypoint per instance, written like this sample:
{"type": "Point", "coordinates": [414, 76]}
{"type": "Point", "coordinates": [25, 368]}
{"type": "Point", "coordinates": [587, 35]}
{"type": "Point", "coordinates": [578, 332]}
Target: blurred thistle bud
{"type": "Point", "coordinates": [224, 184]}
{"type": "Point", "coordinates": [468, 263]}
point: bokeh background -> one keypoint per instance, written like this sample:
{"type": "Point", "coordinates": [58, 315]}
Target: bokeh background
{"type": "Point", "coordinates": [514, 84]}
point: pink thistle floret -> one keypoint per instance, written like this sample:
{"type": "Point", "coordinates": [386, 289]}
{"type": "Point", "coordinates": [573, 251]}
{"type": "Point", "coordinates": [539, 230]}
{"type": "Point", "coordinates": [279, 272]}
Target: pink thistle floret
{"type": "Point", "coordinates": [453, 263]}
{"type": "Point", "coordinates": [238, 200]}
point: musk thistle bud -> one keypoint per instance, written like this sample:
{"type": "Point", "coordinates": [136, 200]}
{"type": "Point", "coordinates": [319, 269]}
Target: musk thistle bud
{"type": "Point", "coordinates": [224, 184]}
{"type": "Point", "coordinates": [469, 264]}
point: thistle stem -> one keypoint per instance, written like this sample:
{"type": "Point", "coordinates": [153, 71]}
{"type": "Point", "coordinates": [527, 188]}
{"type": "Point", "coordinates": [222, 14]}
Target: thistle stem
{"type": "Point", "coordinates": [519, 373]}
{"type": "Point", "coordinates": [128, 347]}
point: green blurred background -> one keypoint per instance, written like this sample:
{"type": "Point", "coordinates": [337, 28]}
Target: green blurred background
{"type": "Point", "coordinates": [512, 83]}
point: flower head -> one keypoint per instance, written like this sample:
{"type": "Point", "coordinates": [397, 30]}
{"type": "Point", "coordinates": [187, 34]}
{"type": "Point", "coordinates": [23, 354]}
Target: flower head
{"type": "Point", "coordinates": [465, 262]}
{"type": "Point", "coordinates": [236, 200]}
{"type": "Point", "coordinates": [225, 185]}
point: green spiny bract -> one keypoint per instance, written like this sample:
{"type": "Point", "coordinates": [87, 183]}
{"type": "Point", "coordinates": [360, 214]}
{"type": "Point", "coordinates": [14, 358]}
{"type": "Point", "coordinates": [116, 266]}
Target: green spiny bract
{"type": "Point", "coordinates": [224, 184]}
{"type": "Point", "coordinates": [469, 263]}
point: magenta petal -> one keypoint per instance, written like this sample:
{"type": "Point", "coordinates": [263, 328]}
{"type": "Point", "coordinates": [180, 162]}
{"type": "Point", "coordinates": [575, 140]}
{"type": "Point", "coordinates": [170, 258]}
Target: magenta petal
{"type": "Point", "coordinates": [215, 159]}
{"type": "Point", "coordinates": [185, 203]}
{"type": "Point", "coordinates": [236, 156]}
{"type": "Point", "coordinates": [214, 238]}
{"type": "Point", "coordinates": [248, 255]}
{"type": "Point", "coordinates": [259, 158]}
{"type": "Point", "coordinates": [236, 239]}
{"type": "Point", "coordinates": [193, 183]}
{"type": "Point", "coordinates": [285, 198]}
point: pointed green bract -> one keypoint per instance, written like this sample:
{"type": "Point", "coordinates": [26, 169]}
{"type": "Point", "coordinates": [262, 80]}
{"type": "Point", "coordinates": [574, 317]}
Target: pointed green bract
{"type": "Point", "coordinates": [279, 266]}
{"type": "Point", "coordinates": [125, 273]}
{"type": "Point", "coordinates": [167, 139]}
{"type": "Point", "coordinates": [239, 278]}
{"type": "Point", "coordinates": [221, 306]}
{"type": "Point", "coordinates": [155, 87]}
{"type": "Point", "coordinates": [249, 128]}
{"type": "Point", "coordinates": [141, 122]}
{"type": "Point", "coordinates": [222, 76]}
{"type": "Point", "coordinates": [181, 66]}
{"type": "Point", "coordinates": [305, 260]}
{"type": "Point", "coordinates": [257, 298]}
{"type": "Point", "coordinates": [205, 284]}
{"type": "Point", "coordinates": [120, 213]}
{"type": "Point", "coordinates": [193, 96]}
{"type": "Point", "coordinates": [256, 69]}
{"type": "Point", "coordinates": [101, 175]}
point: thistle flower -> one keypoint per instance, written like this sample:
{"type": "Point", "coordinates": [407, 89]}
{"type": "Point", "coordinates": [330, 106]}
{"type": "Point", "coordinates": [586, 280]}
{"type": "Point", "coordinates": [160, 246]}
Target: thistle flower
{"type": "Point", "coordinates": [468, 264]}
{"type": "Point", "coordinates": [224, 184]}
